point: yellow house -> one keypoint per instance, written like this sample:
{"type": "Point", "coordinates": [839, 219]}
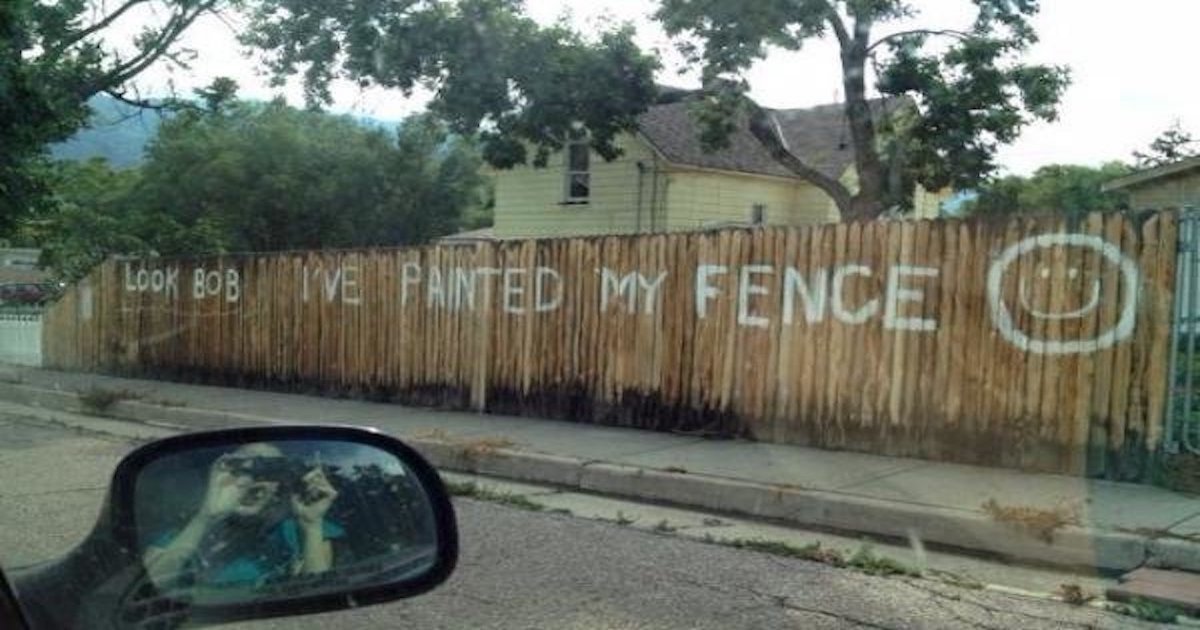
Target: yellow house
{"type": "Point", "coordinates": [665, 181]}
{"type": "Point", "coordinates": [1174, 185]}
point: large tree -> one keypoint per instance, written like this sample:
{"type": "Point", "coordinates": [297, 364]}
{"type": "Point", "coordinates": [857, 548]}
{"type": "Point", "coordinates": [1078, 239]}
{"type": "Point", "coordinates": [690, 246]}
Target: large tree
{"type": "Point", "coordinates": [972, 90]}
{"type": "Point", "coordinates": [1170, 146]}
{"type": "Point", "coordinates": [270, 177]}
{"type": "Point", "coordinates": [493, 70]}
{"type": "Point", "coordinates": [230, 175]}
{"type": "Point", "coordinates": [1069, 189]}
{"type": "Point", "coordinates": [54, 55]}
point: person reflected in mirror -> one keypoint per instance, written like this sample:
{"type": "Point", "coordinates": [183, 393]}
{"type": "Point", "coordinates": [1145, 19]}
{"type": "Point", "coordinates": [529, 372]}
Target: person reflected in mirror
{"type": "Point", "coordinates": [263, 518]}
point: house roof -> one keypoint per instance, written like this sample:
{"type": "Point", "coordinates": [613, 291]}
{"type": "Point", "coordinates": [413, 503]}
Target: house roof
{"type": "Point", "coordinates": [1150, 174]}
{"type": "Point", "coordinates": [819, 136]}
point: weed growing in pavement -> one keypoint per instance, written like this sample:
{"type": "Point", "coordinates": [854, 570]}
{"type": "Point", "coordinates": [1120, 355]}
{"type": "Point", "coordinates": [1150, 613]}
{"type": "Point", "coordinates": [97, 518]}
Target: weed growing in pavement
{"type": "Point", "coordinates": [1180, 473]}
{"type": "Point", "coordinates": [434, 434]}
{"type": "Point", "coordinates": [484, 446]}
{"type": "Point", "coordinates": [871, 563]}
{"type": "Point", "coordinates": [472, 490]}
{"type": "Point", "coordinates": [954, 579]}
{"type": "Point", "coordinates": [1040, 522]}
{"type": "Point", "coordinates": [664, 527]}
{"type": "Point", "coordinates": [98, 400]}
{"type": "Point", "coordinates": [622, 519]}
{"type": "Point", "coordinates": [813, 551]}
{"type": "Point", "coordinates": [1074, 594]}
{"type": "Point", "coordinates": [1148, 610]}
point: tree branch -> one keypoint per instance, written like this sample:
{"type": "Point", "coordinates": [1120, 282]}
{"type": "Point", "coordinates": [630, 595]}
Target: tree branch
{"type": "Point", "coordinates": [921, 31]}
{"type": "Point", "coordinates": [763, 127]}
{"type": "Point", "coordinates": [135, 101]}
{"type": "Point", "coordinates": [98, 26]}
{"type": "Point", "coordinates": [839, 27]}
{"type": "Point", "coordinates": [161, 44]}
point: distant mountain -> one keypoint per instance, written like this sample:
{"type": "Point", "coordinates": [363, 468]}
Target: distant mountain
{"type": "Point", "coordinates": [120, 133]}
{"type": "Point", "coordinates": [117, 132]}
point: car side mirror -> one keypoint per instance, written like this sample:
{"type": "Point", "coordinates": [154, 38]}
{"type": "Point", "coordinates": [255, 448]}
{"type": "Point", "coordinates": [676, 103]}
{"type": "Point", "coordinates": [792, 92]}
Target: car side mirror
{"type": "Point", "coordinates": [252, 523]}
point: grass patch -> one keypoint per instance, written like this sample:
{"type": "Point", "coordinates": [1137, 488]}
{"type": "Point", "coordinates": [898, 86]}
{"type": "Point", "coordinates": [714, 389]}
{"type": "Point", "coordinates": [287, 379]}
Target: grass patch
{"type": "Point", "coordinates": [871, 563]}
{"type": "Point", "coordinates": [664, 527]}
{"type": "Point", "coordinates": [98, 400]}
{"type": "Point", "coordinates": [472, 490]}
{"type": "Point", "coordinates": [1039, 522]}
{"type": "Point", "coordinates": [1147, 610]}
{"type": "Point", "coordinates": [623, 520]}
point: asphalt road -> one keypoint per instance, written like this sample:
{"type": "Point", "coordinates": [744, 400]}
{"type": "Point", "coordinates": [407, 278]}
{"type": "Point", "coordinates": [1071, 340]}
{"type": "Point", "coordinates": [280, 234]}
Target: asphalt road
{"type": "Point", "coordinates": [532, 570]}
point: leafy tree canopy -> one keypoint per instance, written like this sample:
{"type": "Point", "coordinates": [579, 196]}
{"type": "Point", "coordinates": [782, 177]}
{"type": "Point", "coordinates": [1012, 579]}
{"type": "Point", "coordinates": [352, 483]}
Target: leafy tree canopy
{"type": "Point", "coordinates": [492, 69]}
{"type": "Point", "coordinates": [53, 58]}
{"type": "Point", "coordinates": [274, 177]}
{"type": "Point", "coordinates": [241, 176]}
{"type": "Point", "coordinates": [1057, 188]}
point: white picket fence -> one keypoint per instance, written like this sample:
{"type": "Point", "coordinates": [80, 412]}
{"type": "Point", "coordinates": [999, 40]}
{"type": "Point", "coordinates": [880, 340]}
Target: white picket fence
{"type": "Point", "coordinates": [21, 338]}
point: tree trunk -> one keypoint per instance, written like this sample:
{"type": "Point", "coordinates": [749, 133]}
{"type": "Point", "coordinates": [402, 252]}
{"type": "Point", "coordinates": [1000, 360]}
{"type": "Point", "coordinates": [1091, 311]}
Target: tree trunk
{"type": "Point", "coordinates": [867, 203]}
{"type": "Point", "coordinates": [862, 208]}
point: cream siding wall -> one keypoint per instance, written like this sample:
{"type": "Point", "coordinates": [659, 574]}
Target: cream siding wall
{"type": "Point", "coordinates": [696, 199]}
{"type": "Point", "coordinates": [529, 200]}
{"type": "Point", "coordinates": [928, 205]}
{"type": "Point", "coordinates": [1168, 192]}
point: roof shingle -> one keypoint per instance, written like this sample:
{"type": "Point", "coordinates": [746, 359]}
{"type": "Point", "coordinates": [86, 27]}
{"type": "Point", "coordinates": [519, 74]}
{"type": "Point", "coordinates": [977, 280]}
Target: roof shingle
{"type": "Point", "coordinates": [819, 136]}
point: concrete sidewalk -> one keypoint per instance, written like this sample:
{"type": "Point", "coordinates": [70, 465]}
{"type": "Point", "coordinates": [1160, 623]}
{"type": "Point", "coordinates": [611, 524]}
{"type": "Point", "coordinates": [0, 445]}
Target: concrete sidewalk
{"type": "Point", "coordinates": [1048, 519]}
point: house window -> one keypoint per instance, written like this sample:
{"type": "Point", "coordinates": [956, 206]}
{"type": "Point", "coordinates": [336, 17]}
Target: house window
{"type": "Point", "coordinates": [579, 183]}
{"type": "Point", "coordinates": [758, 214]}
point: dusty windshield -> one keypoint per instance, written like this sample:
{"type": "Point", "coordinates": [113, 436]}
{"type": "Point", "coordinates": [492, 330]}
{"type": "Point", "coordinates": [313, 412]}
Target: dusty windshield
{"type": "Point", "coordinates": [700, 306]}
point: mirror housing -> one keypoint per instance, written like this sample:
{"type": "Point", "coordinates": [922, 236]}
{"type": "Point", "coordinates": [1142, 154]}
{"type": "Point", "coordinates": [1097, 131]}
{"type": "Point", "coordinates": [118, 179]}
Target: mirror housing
{"type": "Point", "coordinates": [105, 581]}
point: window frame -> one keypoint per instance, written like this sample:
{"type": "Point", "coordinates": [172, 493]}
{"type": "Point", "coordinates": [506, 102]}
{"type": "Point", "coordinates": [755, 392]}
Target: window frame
{"type": "Point", "coordinates": [758, 214]}
{"type": "Point", "coordinates": [570, 172]}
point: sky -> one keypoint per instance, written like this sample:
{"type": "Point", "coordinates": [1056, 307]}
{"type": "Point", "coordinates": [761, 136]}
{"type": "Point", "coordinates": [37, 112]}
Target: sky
{"type": "Point", "coordinates": [1132, 64]}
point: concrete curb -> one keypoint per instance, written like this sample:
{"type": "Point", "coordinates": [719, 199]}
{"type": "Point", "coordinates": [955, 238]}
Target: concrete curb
{"type": "Point", "coordinates": [1070, 546]}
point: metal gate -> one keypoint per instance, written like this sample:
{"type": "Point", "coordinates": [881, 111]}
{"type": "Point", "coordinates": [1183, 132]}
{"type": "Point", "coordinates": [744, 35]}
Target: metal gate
{"type": "Point", "coordinates": [21, 336]}
{"type": "Point", "coordinates": [1183, 410]}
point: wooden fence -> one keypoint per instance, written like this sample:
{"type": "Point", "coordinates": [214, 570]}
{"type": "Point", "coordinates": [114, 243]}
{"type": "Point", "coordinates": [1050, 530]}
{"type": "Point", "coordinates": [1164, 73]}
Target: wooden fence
{"type": "Point", "coordinates": [1038, 344]}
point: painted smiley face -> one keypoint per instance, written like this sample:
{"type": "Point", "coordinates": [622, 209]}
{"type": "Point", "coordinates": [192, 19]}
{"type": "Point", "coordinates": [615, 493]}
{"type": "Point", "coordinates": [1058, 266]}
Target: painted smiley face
{"type": "Point", "coordinates": [1081, 284]}
{"type": "Point", "coordinates": [1072, 278]}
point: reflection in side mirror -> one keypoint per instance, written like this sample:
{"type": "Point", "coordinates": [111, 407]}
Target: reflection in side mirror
{"type": "Point", "coordinates": [249, 523]}
{"type": "Point", "coordinates": [279, 520]}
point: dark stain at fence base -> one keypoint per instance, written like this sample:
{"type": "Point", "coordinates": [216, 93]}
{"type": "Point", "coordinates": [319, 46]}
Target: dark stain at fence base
{"type": "Point", "coordinates": [633, 409]}
{"type": "Point", "coordinates": [571, 403]}
{"type": "Point", "coordinates": [645, 411]}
